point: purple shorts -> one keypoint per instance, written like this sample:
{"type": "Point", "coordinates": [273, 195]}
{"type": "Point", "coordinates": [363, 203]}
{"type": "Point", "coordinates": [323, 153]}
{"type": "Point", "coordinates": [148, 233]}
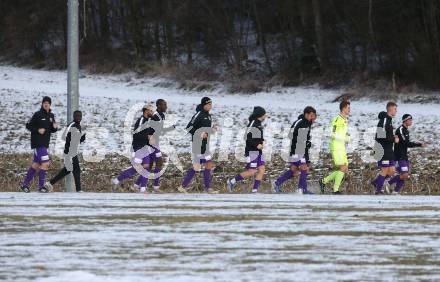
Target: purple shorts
{"type": "Point", "coordinates": [386, 163]}
{"type": "Point", "coordinates": [41, 155]}
{"type": "Point", "coordinates": [202, 158]}
{"type": "Point", "coordinates": [297, 161]}
{"type": "Point", "coordinates": [403, 166]}
{"type": "Point", "coordinates": [254, 161]}
{"type": "Point", "coordinates": [142, 155]}
{"type": "Point", "coordinates": [153, 156]}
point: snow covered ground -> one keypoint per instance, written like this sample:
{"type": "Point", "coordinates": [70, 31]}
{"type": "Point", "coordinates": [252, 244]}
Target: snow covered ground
{"type": "Point", "coordinates": [131, 237]}
{"type": "Point", "coordinates": [107, 99]}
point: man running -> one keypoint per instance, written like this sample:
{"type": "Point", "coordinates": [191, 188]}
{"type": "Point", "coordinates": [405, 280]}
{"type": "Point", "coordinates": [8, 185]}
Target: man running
{"type": "Point", "coordinates": [384, 147]}
{"type": "Point", "coordinates": [339, 137]}
{"type": "Point", "coordinates": [299, 152]}
{"type": "Point", "coordinates": [41, 125]}
{"type": "Point", "coordinates": [200, 128]}
{"type": "Point", "coordinates": [141, 148]}
{"type": "Point", "coordinates": [158, 129]}
{"type": "Point", "coordinates": [73, 137]}
{"type": "Point", "coordinates": [401, 154]}
{"type": "Point", "coordinates": [253, 151]}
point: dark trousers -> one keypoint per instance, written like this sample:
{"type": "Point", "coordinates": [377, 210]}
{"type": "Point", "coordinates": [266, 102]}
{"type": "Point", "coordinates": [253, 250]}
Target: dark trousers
{"type": "Point", "coordinates": [76, 174]}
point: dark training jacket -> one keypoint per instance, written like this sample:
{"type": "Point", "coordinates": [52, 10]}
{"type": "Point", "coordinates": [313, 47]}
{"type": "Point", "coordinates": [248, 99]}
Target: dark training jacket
{"type": "Point", "coordinates": [157, 123]}
{"type": "Point", "coordinates": [401, 148]}
{"type": "Point", "coordinates": [201, 119]}
{"type": "Point", "coordinates": [301, 140]}
{"type": "Point", "coordinates": [41, 119]}
{"type": "Point", "coordinates": [159, 119]}
{"type": "Point", "coordinates": [140, 139]}
{"type": "Point", "coordinates": [254, 137]}
{"type": "Point", "coordinates": [385, 136]}
{"type": "Point", "coordinates": [69, 136]}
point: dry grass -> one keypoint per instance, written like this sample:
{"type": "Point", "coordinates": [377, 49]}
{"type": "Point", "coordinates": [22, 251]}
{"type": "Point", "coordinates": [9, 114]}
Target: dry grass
{"type": "Point", "coordinates": [96, 176]}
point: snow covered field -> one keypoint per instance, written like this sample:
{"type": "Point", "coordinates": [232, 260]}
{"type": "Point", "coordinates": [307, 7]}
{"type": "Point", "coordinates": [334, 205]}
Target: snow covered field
{"type": "Point", "coordinates": [130, 237]}
{"type": "Point", "coordinates": [106, 101]}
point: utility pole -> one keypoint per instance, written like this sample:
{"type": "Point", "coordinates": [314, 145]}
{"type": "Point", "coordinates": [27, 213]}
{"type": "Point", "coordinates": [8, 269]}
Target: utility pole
{"type": "Point", "coordinates": [72, 68]}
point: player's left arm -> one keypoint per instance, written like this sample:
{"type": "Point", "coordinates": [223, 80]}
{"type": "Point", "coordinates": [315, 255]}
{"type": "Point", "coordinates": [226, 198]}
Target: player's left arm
{"type": "Point", "coordinates": [405, 139]}
{"type": "Point", "coordinates": [414, 144]}
{"type": "Point", "coordinates": [54, 125]}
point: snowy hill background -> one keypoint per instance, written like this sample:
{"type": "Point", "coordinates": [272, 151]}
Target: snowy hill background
{"type": "Point", "coordinates": [111, 101]}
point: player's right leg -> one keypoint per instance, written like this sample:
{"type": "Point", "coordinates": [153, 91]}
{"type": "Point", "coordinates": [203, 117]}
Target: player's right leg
{"type": "Point", "coordinates": [403, 174]}
{"type": "Point", "coordinates": [136, 161]}
{"type": "Point", "coordinates": [340, 162]}
{"type": "Point", "coordinates": [288, 174]}
{"type": "Point", "coordinates": [196, 168]}
{"type": "Point", "coordinates": [127, 173]}
{"type": "Point", "coordinates": [142, 181]}
{"type": "Point", "coordinates": [251, 169]}
{"type": "Point", "coordinates": [61, 174]}
{"type": "Point", "coordinates": [386, 169]}
{"type": "Point", "coordinates": [44, 160]}
{"type": "Point", "coordinates": [340, 175]}
{"type": "Point", "coordinates": [29, 176]}
{"type": "Point", "coordinates": [239, 177]}
{"type": "Point", "coordinates": [258, 178]}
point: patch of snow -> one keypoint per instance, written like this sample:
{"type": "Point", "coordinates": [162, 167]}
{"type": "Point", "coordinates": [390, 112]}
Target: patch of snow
{"type": "Point", "coordinates": [174, 237]}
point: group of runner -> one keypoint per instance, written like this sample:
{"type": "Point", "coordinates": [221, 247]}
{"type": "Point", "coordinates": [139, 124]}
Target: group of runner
{"type": "Point", "coordinates": [391, 149]}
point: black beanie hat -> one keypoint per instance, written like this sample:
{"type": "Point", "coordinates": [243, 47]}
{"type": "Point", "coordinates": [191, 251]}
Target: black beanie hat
{"type": "Point", "coordinates": [205, 101]}
{"type": "Point", "coordinates": [46, 99]}
{"type": "Point", "coordinates": [258, 112]}
{"type": "Point", "coordinates": [406, 117]}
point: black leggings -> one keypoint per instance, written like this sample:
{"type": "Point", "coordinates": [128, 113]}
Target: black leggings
{"type": "Point", "coordinates": [76, 174]}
